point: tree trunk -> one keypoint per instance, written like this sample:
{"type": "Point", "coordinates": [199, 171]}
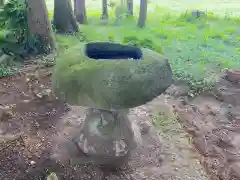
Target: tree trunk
{"type": "Point", "coordinates": [80, 11]}
{"type": "Point", "coordinates": [104, 10]}
{"type": "Point", "coordinates": [142, 14]}
{"type": "Point", "coordinates": [63, 18]}
{"type": "Point", "coordinates": [130, 7]}
{"type": "Point", "coordinates": [39, 24]}
{"type": "Point", "coordinates": [2, 2]}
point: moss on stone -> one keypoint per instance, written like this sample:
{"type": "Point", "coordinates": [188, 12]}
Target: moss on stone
{"type": "Point", "coordinates": [110, 84]}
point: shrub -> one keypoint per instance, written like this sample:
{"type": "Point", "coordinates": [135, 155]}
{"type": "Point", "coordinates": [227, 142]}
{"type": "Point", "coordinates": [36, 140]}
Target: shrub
{"type": "Point", "coordinates": [15, 39]}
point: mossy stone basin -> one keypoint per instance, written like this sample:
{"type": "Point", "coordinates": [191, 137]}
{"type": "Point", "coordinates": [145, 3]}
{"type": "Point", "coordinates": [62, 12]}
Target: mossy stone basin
{"type": "Point", "coordinates": [115, 77]}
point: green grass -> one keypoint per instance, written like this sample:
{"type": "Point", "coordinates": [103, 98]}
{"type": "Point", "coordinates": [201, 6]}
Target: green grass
{"type": "Point", "coordinates": [197, 48]}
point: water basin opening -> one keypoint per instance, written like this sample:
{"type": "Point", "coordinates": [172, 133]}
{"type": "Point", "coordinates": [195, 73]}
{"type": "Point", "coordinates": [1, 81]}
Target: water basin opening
{"type": "Point", "coordinates": [112, 51]}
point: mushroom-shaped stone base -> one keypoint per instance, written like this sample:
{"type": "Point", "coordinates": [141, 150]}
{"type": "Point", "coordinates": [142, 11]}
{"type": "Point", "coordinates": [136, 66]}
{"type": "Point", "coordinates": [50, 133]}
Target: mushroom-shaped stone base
{"type": "Point", "coordinates": [108, 137]}
{"type": "Point", "coordinates": [110, 76]}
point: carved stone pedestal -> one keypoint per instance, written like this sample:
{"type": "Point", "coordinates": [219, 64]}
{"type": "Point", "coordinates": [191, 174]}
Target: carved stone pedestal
{"type": "Point", "coordinates": [108, 137]}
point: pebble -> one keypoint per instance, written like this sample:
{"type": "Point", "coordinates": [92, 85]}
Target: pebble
{"type": "Point", "coordinates": [4, 113]}
{"type": "Point", "coordinates": [145, 127]}
{"type": "Point", "coordinates": [26, 101]}
{"type": "Point", "coordinates": [52, 176]}
{"type": "Point", "coordinates": [32, 162]}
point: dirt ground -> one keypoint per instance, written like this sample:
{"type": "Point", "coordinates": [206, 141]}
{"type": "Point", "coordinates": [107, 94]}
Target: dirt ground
{"type": "Point", "coordinates": [213, 120]}
{"type": "Point", "coordinates": [34, 127]}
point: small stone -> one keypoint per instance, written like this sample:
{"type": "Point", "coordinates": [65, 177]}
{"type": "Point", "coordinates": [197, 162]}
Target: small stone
{"type": "Point", "coordinates": [145, 127]}
{"type": "Point", "coordinates": [191, 130]}
{"type": "Point", "coordinates": [5, 113]}
{"type": "Point", "coordinates": [26, 101]}
{"type": "Point", "coordinates": [178, 90]}
{"type": "Point", "coordinates": [183, 101]}
{"type": "Point", "coordinates": [52, 176]}
{"type": "Point", "coordinates": [32, 163]}
{"type": "Point", "coordinates": [233, 76]}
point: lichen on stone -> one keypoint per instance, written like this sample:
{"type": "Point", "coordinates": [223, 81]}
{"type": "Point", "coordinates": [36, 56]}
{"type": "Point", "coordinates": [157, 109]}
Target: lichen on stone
{"type": "Point", "coordinates": [113, 84]}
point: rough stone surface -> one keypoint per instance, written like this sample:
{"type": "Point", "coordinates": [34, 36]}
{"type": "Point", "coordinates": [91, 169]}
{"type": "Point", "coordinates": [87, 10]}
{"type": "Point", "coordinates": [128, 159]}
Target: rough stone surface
{"type": "Point", "coordinates": [4, 113]}
{"type": "Point", "coordinates": [108, 138]}
{"type": "Point", "coordinates": [114, 84]}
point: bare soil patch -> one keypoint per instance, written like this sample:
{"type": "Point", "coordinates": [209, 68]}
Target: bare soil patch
{"type": "Point", "coordinates": [213, 120]}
